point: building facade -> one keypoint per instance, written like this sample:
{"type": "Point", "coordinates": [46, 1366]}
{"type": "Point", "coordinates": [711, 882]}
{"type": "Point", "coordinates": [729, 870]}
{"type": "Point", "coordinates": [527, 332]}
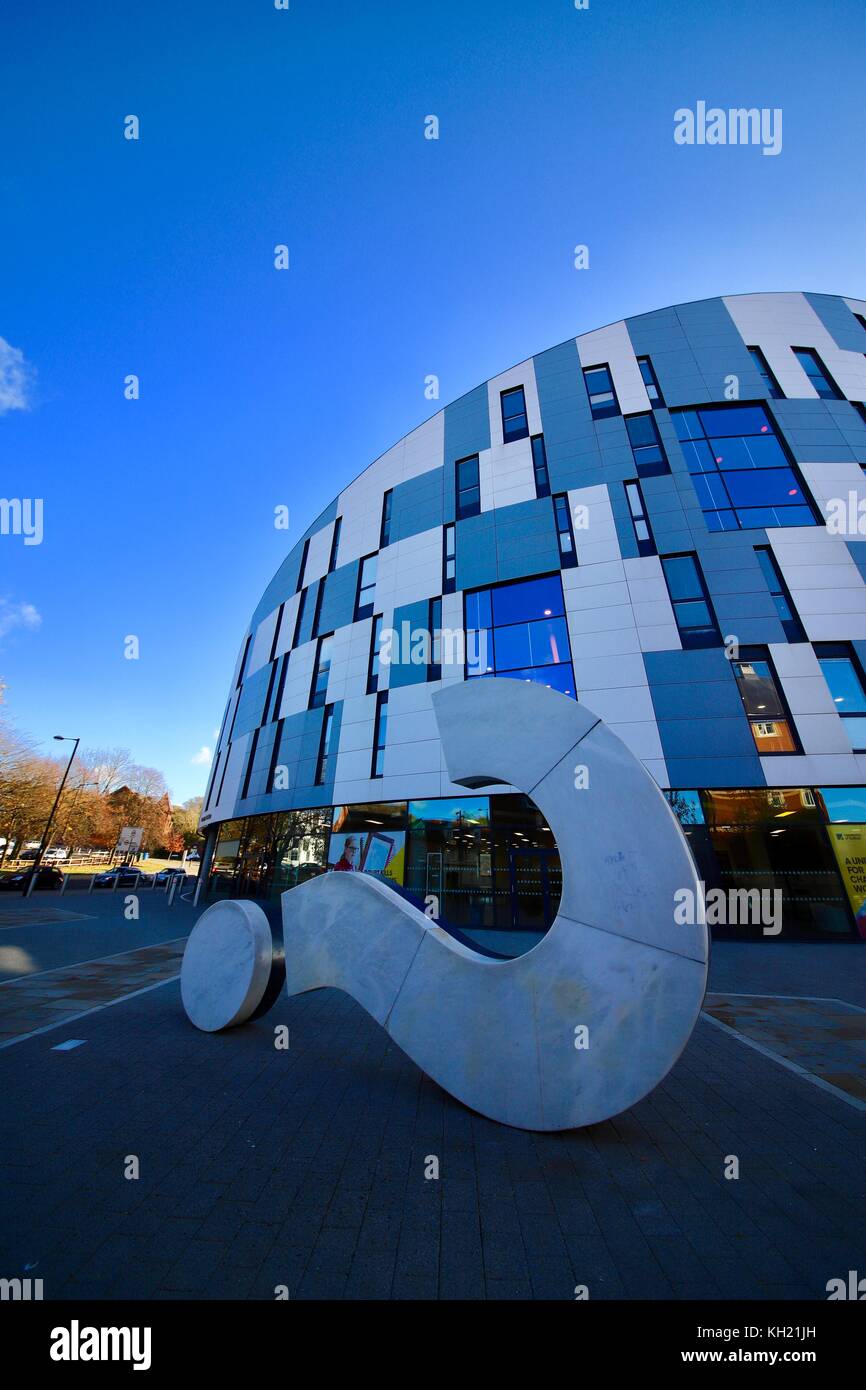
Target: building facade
{"type": "Point", "coordinates": [662, 519]}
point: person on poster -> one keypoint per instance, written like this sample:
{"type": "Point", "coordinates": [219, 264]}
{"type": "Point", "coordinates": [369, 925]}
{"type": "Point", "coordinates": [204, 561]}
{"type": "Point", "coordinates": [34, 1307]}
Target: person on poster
{"type": "Point", "coordinates": [346, 862]}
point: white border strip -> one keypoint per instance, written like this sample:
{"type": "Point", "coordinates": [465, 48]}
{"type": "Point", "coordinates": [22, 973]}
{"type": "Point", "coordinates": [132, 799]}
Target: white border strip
{"type": "Point", "coordinates": [785, 1061]}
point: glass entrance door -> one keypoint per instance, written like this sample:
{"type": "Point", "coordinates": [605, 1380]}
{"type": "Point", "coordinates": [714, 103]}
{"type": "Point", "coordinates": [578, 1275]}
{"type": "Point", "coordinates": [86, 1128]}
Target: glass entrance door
{"type": "Point", "coordinates": [529, 873]}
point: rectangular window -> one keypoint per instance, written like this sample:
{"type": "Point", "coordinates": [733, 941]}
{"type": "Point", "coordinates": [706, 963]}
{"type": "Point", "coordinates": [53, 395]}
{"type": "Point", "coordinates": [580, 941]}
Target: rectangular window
{"type": "Point", "coordinates": [564, 533]}
{"type": "Point", "coordinates": [366, 595]}
{"type": "Point", "coordinates": [771, 385]}
{"type": "Point", "coordinates": [321, 670]}
{"type": "Point", "coordinates": [646, 445]}
{"type": "Point", "coordinates": [519, 630]}
{"type": "Point", "coordinates": [771, 724]}
{"type": "Point", "coordinates": [740, 470]}
{"type": "Point", "coordinates": [373, 662]}
{"type": "Point", "coordinates": [320, 593]}
{"type": "Point", "coordinates": [650, 382]}
{"type": "Point", "coordinates": [335, 545]}
{"type": "Point", "coordinates": [639, 519]}
{"type": "Point", "coordinates": [693, 611]}
{"type": "Point", "coordinates": [281, 685]}
{"type": "Point", "coordinates": [434, 666]}
{"type": "Point", "coordinates": [818, 374]}
{"type": "Point", "coordinates": [385, 530]}
{"type": "Point", "coordinates": [327, 748]}
{"type": "Point", "coordinates": [449, 558]}
{"type": "Point", "coordinates": [781, 597]}
{"type": "Point", "coordinates": [539, 466]}
{"type": "Point", "coordinates": [302, 603]}
{"type": "Point", "coordinates": [599, 388]}
{"type": "Point", "coordinates": [514, 422]}
{"type": "Point", "coordinates": [303, 565]}
{"type": "Point", "coordinates": [468, 487]}
{"type": "Point", "coordinates": [249, 772]}
{"type": "Point", "coordinates": [844, 678]}
{"type": "Point", "coordinates": [380, 735]}
{"type": "Point", "coordinates": [243, 666]}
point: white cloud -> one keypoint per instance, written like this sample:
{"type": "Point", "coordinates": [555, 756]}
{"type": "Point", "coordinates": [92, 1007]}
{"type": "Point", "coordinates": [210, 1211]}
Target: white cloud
{"type": "Point", "coordinates": [203, 755]}
{"type": "Point", "coordinates": [15, 615]}
{"type": "Point", "coordinates": [16, 378]}
{"type": "Point", "coordinates": [216, 734]}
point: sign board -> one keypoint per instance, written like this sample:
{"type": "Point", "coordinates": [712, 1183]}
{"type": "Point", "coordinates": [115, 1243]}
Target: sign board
{"type": "Point", "coordinates": [849, 846]}
{"type": "Point", "coordinates": [129, 839]}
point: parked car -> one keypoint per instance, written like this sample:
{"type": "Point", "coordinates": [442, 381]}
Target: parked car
{"type": "Point", "coordinates": [166, 875]}
{"type": "Point", "coordinates": [124, 874]}
{"type": "Point", "coordinates": [46, 877]}
{"type": "Point", "coordinates": [54, 854]}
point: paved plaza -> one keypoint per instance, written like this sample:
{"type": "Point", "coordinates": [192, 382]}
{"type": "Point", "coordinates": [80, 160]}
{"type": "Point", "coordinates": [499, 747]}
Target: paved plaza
{"type": "Point", "coordinates": [305, 1169]}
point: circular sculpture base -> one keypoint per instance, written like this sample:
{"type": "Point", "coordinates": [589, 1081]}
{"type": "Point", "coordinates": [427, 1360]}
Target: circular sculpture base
{"type": "Point", "coordinates": [226, 965]}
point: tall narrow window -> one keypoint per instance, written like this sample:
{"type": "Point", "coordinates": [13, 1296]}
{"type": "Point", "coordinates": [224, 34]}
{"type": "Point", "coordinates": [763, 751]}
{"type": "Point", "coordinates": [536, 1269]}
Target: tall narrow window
{"type": "Point", "coordinates": [771, 385]}
{"type": "Point", "coordinates": [243, 665]}
{"type": "Point", "coordinates": [277, 627]}
{"type": "Point", "coordinates": [327, 748]}
{"type": "Point", "coordinates": [693, 611]}
{"type": "Point", "coordinates": [321, 671]}
{"type": "Point", "coordinates": [434, 665]}
{"type": "Point", "coordinates": [380, 735]}
{"type": "Point", "coordinates": [844, 679]}
{"type": "Point", "coordinates": [539, 466]}
{"type": "Point", "coordinates": [245, 790]}
{"type": "Point", "coordinates": [299, 620]}
{"type": "Point", "coordinates": [387, 507]}
{"type": "Point", "coordinates": [650, 382]}
{"type": "Point", "coordinates": [468, 487]}
{"type": "Point", "coordinates": [639, 519]}
{"type": "Point", "coordinates": [303, 565]}
{"type": "Point", "coordinates": [514, 422]}
{"type": "Point", "coordinates": [317, 615]}
{"type": "Point", "coordinates": [449, 558]}
{"type": "Point", "coordinates": [646, 445]}
{"type": "Point", "coordinates": [281, 685]}
{"type": "Point", "coordinates": [741, 473]}
{"type": "Point", "coordinates": [564, 533]}
{"type": "Point", "coordinates": [271, 679]}
{"type": "Point", "coordinates": [781, 597]}
{"type": "Point", "coordinates": [771, 725]}
{"type": "Point", "coordinates": [335, 545]}
{"type": "Point", "coordinates": [373, 662]}
{"type": "Point", "coordinates": [366, 595]}
{"type": "Point", "coordinates": [599, 388]}
{"type": "Point", "coordinates": [817, 374]}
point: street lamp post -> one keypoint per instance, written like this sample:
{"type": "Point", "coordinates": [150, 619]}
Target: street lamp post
{"type": "Point", "coordinates": [31, 882]}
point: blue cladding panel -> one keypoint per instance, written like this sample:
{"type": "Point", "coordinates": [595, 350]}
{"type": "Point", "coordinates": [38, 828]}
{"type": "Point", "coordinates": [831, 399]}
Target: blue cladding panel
{"type": "Point", "coordinates": [476, 551]}
{"type": "Point", "coordinates": [858, 554]}
{"type": "Point", "coordinates": [467, 431]}
{"type": "Point", "coordinates": [251, 704]}
{"type": "Point", "coordinates": [338, 602]}
{"type": "Point", "coordinates": [839, 322]}
{"type": "Point", "coordinates": [409, 620]}
{"type": "Point", "coordinates": [418, 505]}
{"type": "Point", "coordinates": [283, 584]}
{"type": "Point", "coordinates": [573, 455]}
{"type": "Point", "coordinates": [702, 725]}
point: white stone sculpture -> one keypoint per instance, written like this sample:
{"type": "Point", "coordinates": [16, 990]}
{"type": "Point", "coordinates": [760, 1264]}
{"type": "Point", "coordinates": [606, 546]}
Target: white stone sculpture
{"type": "Point", "coordinates": [592, 1018]}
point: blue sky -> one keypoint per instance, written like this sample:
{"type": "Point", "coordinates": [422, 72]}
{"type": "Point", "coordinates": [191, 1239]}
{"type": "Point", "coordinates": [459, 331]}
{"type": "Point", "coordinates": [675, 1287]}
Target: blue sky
{"type": "Point", "coordinates": [408, 257]}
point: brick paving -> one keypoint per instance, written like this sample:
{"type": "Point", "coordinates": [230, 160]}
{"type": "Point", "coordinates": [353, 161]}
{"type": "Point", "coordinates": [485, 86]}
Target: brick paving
{"type": "Point", "coordinates": [261, 1168]}
{"type": "Point", "coordinates": [35, 1001]}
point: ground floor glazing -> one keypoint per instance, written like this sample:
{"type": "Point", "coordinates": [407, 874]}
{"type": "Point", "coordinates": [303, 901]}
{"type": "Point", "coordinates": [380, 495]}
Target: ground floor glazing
{"type": "Point", "coordinates": [489, 867]}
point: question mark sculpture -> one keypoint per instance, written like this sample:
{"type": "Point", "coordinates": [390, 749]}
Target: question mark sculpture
{"type": "Point", "coordinates": [575, 1031]}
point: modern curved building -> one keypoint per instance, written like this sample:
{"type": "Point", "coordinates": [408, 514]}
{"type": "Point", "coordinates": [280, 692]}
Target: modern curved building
{"type": "Point", "coordinates": [660, 518]}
